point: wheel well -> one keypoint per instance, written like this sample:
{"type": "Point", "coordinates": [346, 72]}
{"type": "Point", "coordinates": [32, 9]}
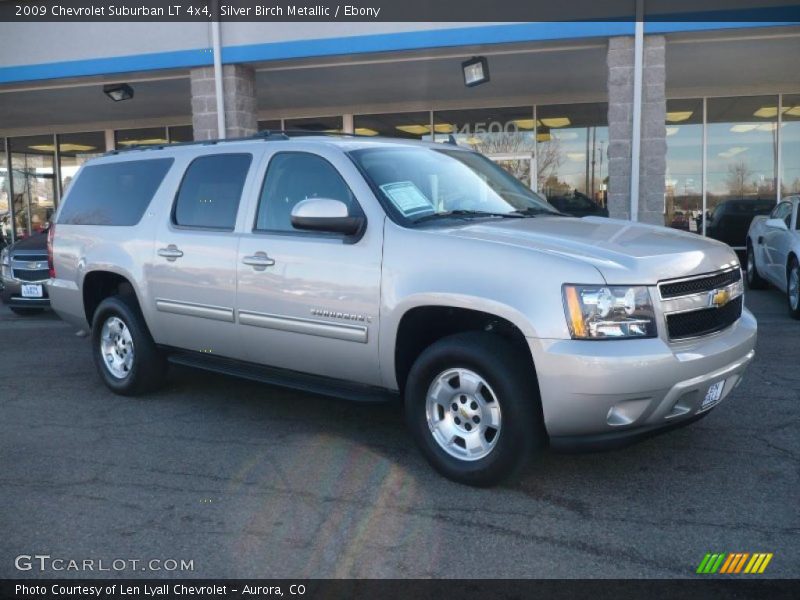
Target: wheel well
{"type": "Point", "coordinates": [422, 326]}
{"type": "Point", "coordinates": [99, 285]}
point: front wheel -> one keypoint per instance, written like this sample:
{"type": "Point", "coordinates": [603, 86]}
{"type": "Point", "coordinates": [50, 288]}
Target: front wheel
{"type": "Point", "coordinates": [473, 408]}
{"type": "Point", "coordinates": [124, 352]}
{"type": "Point", "coordinates": [793, 288]}
{"type": "Point", "coordinates": [754, 280]}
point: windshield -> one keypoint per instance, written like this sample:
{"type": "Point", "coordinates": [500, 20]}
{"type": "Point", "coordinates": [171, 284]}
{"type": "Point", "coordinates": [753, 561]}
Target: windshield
{"type": "Point", "coordinates": [425, 183]}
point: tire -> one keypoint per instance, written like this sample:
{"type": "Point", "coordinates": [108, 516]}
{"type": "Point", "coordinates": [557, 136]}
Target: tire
{"type": "Point", "coordinates": [26, 312]}
{"type": "Point", "coordinates": [793, 288]}
{"type": "Point", "coordinates": [136, 365]}
{"type": "Point", "coordinates": [754, 280]}
{"type": "Point", "coordinates": [476, 374]}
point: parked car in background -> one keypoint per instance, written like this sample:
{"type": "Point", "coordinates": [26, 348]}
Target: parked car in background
{"type": "Point", "coordinates": [773, 252]}
{"type": "Point", "coordinates": [24, 273]}
{"type": "Point", "coordinates": [680, 220]}
{"type": "Point", "coordinates": [730, 220]}
{"type": "Point", "coordinates": [368, 268]}
{"type": "Point", "coordinates": [577, 205]}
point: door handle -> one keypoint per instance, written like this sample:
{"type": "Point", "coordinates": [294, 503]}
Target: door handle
{"type": "Point", "coordinates": [259, 261]}
{"type": "Point", "coordinates": [171, 252]}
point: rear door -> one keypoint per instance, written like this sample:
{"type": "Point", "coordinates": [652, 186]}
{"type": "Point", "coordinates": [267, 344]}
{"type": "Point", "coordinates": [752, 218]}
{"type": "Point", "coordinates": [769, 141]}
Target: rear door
{"type": "Point", "coordinates": [309, 301]}
{"type": "Point", "coordinates": [192, 279]}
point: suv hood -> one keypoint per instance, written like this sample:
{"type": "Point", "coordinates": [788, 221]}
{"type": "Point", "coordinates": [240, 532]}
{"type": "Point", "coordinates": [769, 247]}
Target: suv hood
{"type": "Point", "coordinates": [34, 244]}
{"type": "Point", "coordinates": [623, 252]}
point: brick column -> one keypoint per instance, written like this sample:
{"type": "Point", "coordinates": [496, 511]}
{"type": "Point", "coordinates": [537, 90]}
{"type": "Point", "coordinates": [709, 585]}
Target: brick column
{"type": "Point", "coordinates": [653, 149]}
{"type": "Point", "coordinates": [239, 85]}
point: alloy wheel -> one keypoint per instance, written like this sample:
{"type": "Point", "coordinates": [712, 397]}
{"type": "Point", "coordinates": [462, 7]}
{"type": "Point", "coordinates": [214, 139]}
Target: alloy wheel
{"type": "Point", "coordinates": [116, 347]}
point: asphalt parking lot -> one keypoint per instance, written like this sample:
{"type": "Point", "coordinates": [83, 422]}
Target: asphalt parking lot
{"type": "Point", "coordinates": [248, 480]}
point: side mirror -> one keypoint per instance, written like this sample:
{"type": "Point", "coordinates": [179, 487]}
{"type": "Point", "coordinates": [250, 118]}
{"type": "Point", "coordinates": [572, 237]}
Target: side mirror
{"type": "Point", "coordinates": [325, 214]}
{"type": "Point", "coordinates": [776, 223]}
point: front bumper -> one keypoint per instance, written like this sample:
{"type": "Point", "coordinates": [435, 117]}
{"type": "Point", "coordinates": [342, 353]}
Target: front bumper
{"type": "Point", "coordinates": [616, 391]}
{"type": "Point", "coordinates": [12, 294]}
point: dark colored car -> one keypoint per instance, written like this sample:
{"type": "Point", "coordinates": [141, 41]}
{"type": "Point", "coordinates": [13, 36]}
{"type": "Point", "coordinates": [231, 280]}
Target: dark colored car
{"type": "Point", "coordinates": [577, 205]}
{"type": "Point", "coordinates": [729, 221]}
{"type": "Point", "coordinates": [25, 272]}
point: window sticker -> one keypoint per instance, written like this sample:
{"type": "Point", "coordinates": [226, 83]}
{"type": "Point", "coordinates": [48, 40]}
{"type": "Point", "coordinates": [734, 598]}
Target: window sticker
{"type": "Point", "coordinates": [407, 197]}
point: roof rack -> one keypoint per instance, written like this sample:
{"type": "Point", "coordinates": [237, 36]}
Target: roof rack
{"type": "Point", "coordinates": [266, 135]}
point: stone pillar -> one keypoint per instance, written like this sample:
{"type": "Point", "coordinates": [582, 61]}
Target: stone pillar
{"type": "Point", "coordinates": [653, 149]}
{"type": "Point", "coordinates": [239, 85]}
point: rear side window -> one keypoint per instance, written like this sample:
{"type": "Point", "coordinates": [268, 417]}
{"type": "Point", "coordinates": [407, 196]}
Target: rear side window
{"type": "Point", "coordinates": [210, 191]}
{"type": "Point", "coordinates": [115, 193]}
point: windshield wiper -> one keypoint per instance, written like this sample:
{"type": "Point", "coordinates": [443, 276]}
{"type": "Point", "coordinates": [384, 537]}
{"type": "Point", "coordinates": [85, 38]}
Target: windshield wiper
{"type": "Point", "coordinates": [535, 212]}
{"type": "Point", "coordinates": [468, 213]}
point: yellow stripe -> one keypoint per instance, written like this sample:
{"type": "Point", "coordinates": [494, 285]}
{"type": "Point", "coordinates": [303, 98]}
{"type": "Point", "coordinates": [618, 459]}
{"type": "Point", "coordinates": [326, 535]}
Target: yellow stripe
{"type": "Point", "coordinates": [741, 562]}
{"type": "Point", "coordinates": [765, 563]}
{"type": "Point", "coordinates": [761, 557]}
{"type": "Point", "coordinates": [753, 559]}
{"type": "Point", "coordinates": [724, 568]}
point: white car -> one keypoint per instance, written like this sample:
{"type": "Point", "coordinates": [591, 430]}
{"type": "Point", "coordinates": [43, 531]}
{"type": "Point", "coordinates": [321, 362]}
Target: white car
{"type": "Point", "coordinates": [773, 251]}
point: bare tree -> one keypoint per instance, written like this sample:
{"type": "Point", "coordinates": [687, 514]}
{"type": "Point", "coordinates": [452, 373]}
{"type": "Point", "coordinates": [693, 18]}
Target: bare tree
{"type": "Point", "coordinates": [737, 181]}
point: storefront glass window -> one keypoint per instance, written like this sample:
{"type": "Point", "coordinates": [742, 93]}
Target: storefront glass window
{"type": "Point", "coordinates": [32, 183]}
{"type": "Point", "coordinates": [5, 199]}
{"type": "Point", "coordinates": [572, 143]}
{"type": "Point", "coordinates": [180, 133]}
{"type": "Point", "coordinates": [410, 125]}
{"type": "Point", "coordinates": [75, 149]}
{"type": "Point", "coordinates": [506, 135]}
{"type": "Point", "coordinates": [684, 176]}
{"type": "Point", "coordinates": [270, 125]}
{"type": "Point", "coordinates": [318, 124]}
{"type": "Point", "coordinates": [790, 145]}
{"type": "Point", "coordinates": [125, 138]}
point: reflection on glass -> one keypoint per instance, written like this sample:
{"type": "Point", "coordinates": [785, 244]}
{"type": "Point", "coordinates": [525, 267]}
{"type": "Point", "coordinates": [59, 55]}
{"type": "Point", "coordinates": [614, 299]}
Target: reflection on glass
{"type": "Point", "coordinates": [316, 124]}
{"type": "Point", "coordinates": [125, 138]}
{"type": "Point", "coordinates": [684, 175]}
{"type": "Point", "coordinates": [32, 183]}
{"type": "Point", "coordinates": [180, 133]}
{"type": "Point", "coordinates": [411, 125]}
{"type": "Point", "coordinates": [74, 150]}
{"type": "Point", "coordinates": [742, 164]}
{"type": "Point", "coordinates": [5, 204]}
{"type": "Point", "coordinates": [506, 135]}
{"type": "Point", "coordinates": [790, 145]}
{"type": "Point", "coordinates": [572, 141]}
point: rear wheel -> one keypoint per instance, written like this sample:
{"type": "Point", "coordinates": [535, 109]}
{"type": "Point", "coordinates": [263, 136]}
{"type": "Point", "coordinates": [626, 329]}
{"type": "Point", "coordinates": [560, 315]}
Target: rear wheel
{"type": "Point", "coordinates": [127, 358]}
{"type": "Point", "coordinates": [793, 288]}
{"type": "Point", "coordinates": [473, 408]}
{"type": "Point", "coordinates": [754, 280]}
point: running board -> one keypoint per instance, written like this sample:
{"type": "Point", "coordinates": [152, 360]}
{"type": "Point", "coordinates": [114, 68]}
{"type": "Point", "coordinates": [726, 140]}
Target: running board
{"type": "Point", "coordinates": [314, 384]}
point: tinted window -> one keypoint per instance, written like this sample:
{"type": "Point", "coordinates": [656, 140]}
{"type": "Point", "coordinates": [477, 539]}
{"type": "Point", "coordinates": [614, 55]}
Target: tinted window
{"type": "Point", "coordinates": [295, 176]}
{"type": "Point", "coordinates": [113, 194]}
{"type": "Point", "coordinates": [210, 191]}
{"type": "Point", "coordinates": [780, 212]}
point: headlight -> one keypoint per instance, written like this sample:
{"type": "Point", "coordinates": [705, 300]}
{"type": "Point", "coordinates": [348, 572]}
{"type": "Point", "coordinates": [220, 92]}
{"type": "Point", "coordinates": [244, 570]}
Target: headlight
{"type": "Point", "coordinates": [596, 312]}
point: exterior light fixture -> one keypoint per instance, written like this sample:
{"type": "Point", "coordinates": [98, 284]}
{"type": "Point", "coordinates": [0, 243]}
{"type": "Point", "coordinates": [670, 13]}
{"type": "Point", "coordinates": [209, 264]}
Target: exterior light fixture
{"type": "Point", "coordinates": [476, 71]}
{"type": "Point", "coordinates": [118, 91]}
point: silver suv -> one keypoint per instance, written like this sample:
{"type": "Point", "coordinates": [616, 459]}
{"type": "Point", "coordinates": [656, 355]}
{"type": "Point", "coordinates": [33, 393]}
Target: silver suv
{"type": "Point", "coordinates": [369, 268]}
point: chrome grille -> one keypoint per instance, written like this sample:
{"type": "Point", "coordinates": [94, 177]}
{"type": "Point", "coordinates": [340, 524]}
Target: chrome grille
{"type": "Point", "coordinates": [31, 275]}
{"type": "Point", "coordinates": [697, 323]}
{"type": "Point", "coordinates": [707, 283]}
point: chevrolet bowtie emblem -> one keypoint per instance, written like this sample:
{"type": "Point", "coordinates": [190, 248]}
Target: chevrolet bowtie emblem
{"type": "Point", "coordinates": [719, 298]}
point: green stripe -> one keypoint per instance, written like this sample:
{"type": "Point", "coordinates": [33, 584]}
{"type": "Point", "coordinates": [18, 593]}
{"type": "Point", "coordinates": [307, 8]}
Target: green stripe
{"type": "Point", "coordinates": [703, 563]}
{"type": "Point", "coordinates": [718, 564]}
{"type": "Point", "coordinates": [711, 562]}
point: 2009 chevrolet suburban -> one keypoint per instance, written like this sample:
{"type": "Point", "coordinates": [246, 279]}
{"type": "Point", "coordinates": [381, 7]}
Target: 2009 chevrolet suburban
{"type": "Point", "coordinates": [367, 267]}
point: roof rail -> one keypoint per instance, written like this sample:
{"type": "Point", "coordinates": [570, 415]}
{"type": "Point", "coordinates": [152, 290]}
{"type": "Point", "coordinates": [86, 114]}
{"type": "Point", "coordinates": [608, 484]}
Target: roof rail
{"type": "Point", "coordinates": [267, 135]}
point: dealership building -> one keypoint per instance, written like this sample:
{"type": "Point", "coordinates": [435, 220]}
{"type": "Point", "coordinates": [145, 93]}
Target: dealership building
{"type": "Point", "coordinates": [657, 122]}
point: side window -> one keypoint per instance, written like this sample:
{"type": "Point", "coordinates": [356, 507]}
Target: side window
{"type": "Point", "coordinates": [293, 177]}
{"type": "Point", "coordinates": [780, 211]}
{"type": "Point", "coordinates": [115, 193]}
{"type": "Point", "coordinates": [210, 191]}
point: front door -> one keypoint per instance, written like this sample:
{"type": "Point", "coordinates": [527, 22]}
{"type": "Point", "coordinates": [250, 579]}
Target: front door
{"type": "Point", "coordinates": [776, 246]}
{"type": "Point", "coordinates": [193, 274]}
{"type": "Point", "coordinates": [309, 301]}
